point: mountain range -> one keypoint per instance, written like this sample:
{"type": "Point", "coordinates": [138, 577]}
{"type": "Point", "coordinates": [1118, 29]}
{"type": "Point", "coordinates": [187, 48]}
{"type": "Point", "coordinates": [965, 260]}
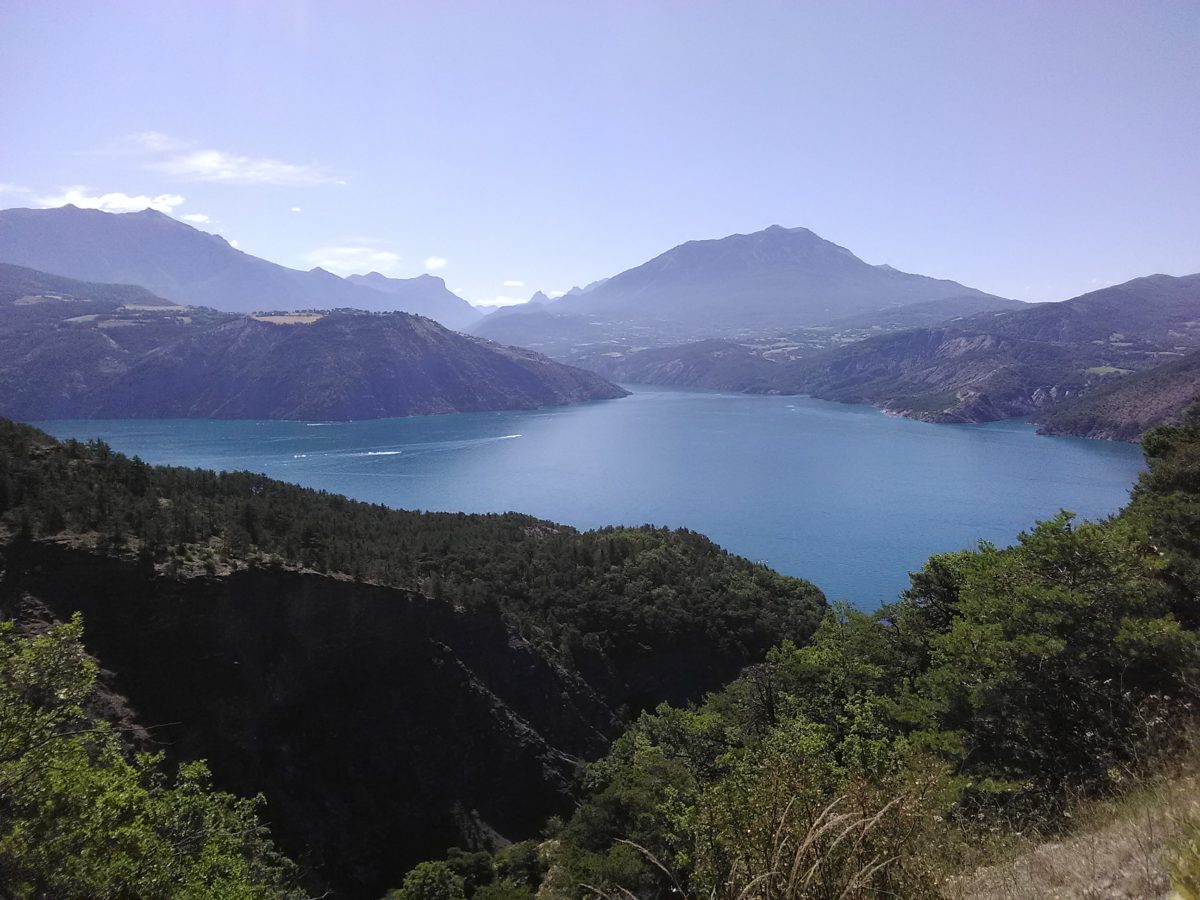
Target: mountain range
{"type": "Point", "coordinates": [767, 282]}
{"type": "Point", "coordinates": [1043, 359]}
{"type": "Point", "coordinates": [781, 310]}
{"type": "Point", "coordinates": [72, 349]}
{"type": "Point", "coordinates": [180, 263]}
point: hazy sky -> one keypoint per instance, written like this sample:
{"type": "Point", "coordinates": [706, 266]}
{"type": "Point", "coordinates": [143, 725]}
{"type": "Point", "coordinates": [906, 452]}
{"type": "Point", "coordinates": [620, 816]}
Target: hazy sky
{"type": "Point", "coordinates": [1035, 150]}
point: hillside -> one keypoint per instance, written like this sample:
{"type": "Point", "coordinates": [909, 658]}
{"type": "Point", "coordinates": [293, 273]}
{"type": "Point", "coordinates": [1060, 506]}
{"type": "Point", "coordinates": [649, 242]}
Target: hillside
{"type": "Point", "coordinates": [245, 612]}
{"type": "Point", "coordinates": [74, 350]}
{"type": "Point", "coordinates": [910, 751]}
{"type": "Point", "coordinates": [1011, 364]}
{"type": "Point", "coordinates": [969, 369]}
{"type": "Point", "coordinates": [180, 263]}
{"type": "Point", "coordinates": [1123, 409]}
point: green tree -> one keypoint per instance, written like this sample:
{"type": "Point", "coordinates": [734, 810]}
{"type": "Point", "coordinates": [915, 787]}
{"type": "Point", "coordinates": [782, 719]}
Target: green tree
{"type": "Point", "coordinates": [80, 820]}
{"type": "Point", "coordinates": [430, 881]}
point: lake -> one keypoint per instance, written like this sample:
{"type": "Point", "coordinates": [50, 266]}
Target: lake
{"type": "Point", "coordinates": [844, 496]}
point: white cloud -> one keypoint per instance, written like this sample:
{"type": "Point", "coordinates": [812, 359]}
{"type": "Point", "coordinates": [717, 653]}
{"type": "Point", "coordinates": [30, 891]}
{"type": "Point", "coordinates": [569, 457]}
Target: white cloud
{"type": "Point", "coordinates": [197, 218]}
{"type": "Point", "coordinates": [354, 260]}
{"type": "Point", "coordinates": [514, 284]}
{"type": "Point", "coordinates": [190, 160]}
{"type": "Point", "coordinates": [13, 189]}
{"type": "Point", "coordinates": [112, 202]}
{"type": "Point", "coordinates": [554, 295]}
{"type": "Point", "coordinates": [433, 263]}
{"type": "Point", "coordinates": [295, 209]}
{"type": "Point", "coordinates": [500, 301]}
{"type": "Point", "coordinates": [230, 168]}
{"type": "Point", "coordinates": [234, 244]}
{"type": "Point", "coordinates": [150, 142]}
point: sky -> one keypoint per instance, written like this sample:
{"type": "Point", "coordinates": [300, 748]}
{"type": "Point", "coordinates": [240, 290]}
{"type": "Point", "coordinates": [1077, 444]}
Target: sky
{"type": "Point", "coordinates": [1035, 150]}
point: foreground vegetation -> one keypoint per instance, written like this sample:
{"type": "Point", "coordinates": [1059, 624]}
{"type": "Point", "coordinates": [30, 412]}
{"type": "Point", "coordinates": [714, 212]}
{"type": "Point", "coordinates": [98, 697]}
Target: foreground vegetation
{"type": "Point", "coordinates": [83, 817]}
{"type": "Point", "coordinates": [897, 748]}
{"type": "Point", "coordinates": [890, 754]}
{"type": "Point", "coordinates": [645, 614]}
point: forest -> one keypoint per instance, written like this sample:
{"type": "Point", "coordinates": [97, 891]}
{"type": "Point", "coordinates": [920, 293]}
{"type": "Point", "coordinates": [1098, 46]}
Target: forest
{"type": "Point", "coordinates": [846, 753]}
{"type": "Point", "coordinates": [897, 749]}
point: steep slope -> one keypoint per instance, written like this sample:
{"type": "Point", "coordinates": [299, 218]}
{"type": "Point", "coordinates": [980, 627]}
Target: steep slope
{"type": "Point", "coordinates": [393, 682]}
{"type": "Point", "coordinates": [71, 349]}
{"type": "Point", "coordinates": [178, 262]}
{"type": "Point", "coordinates": [1124, 408]}
{"type": "Point", "coordinates": [778, 278]}
{"type": "Point", "coordinates": [341, 366]}
{"type": "Point", "coordinates": [1010, 364]}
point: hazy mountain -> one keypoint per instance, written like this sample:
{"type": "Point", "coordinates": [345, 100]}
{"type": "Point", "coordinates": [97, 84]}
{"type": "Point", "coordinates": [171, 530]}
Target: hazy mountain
{"type": "Point", "coordinates": [1042, 358]}
{"type": "Point", "coordinates": [71, 349]}
{"type": "Point", "coordinates": [994, 366]}
{"type": "Point", "coordinates": [181, 263]}
{"type": "Point", "coordinates": [424, 291]}
{"type": "Point", "coordinates": [778, 278]}
{"type": "Point", "coordinates": [590, 286]}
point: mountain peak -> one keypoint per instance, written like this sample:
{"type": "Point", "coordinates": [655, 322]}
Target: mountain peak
{"type": "Point", "coordinates": [770, 280]}
{"type": "Point", "coordinates": [181, 263]}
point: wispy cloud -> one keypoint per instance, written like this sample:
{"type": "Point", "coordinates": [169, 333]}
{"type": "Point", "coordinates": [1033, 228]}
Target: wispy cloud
{"type": "Point", "coordinates": [196, 218]}
{"type": "Point", "coordinates": [14, 189]}
{"type": "Point", "coordinates": [554, 295]}
{"type": "Point", "coordinates": [514, 284]}
{"type": "Point", "coordinates": [114, 201]}
{"type": "Point", "coordinates": [149, 142]}
{"type": "Point", "coordinates": [231, 168]}
{"type": "Point", "coordinates": [191, 161]}
{"type": "Point", "coordinates": [433, 263]}
{"type": "Point", "coordinates": [295, 209]}
{"type": "Point", "coordinates": [355, 260]}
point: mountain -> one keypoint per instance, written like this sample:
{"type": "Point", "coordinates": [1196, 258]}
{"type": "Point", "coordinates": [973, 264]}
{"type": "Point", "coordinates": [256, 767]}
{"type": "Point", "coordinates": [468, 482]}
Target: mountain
{"type": "Point", "coordinates": [424, 291]}
{"type": "Point", "coordinates": [778, 278]}
{"type": "Point", "coordinates": [71, 349]}
{"type": "Point", "coordinates": [393, 682]}
{"type": "Point", "coordinates": [1002, 365]}
{"type": "Point", "coordinates": [180, 263]}
{"type": "Point", "coordinates": [994, 365]}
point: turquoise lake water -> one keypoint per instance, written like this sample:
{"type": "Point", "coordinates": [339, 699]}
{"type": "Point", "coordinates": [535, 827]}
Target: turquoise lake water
{"type": "Point", "coordinates": [844, 496]}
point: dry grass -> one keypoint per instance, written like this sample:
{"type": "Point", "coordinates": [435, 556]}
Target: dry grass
{"type": "Point", "coordinates": [1119, 848]}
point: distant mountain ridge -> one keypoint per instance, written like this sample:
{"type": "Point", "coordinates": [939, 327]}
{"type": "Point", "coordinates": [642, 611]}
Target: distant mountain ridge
{"type": "Point", "coordinates": [180, 263]}
{"type": "Point", "coordinates": [69, 349]}
{"type": "Point", "coordinates": [769, 282]}
{"type": "Point", "coordinates": [777, 278]}
{"type": "Point", "coordinates": [1046, 358]}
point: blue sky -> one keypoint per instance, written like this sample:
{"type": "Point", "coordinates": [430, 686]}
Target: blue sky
{"type": "Point", "coordinates": [1035, 150]}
